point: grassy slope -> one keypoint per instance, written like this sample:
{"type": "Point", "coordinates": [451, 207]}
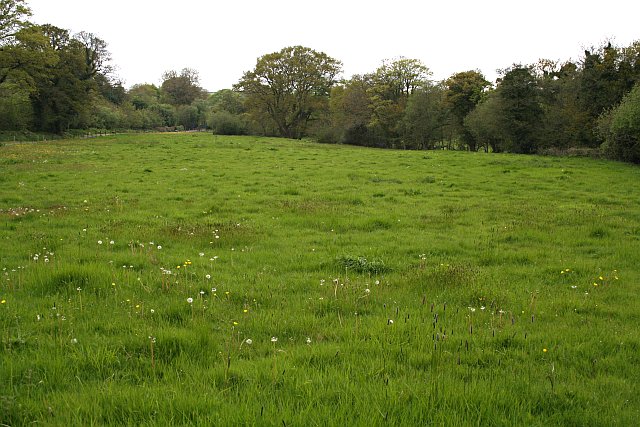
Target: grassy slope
{"type": "Point", "coordinates": [462, 252]}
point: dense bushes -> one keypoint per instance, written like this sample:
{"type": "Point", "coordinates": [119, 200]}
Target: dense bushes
{"type": "Point", "coordinates": [52, 81]}
{"type": "Point", "coordinates": [620, 128]}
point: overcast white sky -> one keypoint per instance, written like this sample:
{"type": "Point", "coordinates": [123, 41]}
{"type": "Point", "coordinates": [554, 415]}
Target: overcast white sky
{"type": "Point", "coordinates": [221, 40]}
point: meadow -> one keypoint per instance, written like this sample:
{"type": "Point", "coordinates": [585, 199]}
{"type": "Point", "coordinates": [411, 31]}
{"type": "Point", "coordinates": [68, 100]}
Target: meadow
{"type": "Point", "coordinates": [166, 279]}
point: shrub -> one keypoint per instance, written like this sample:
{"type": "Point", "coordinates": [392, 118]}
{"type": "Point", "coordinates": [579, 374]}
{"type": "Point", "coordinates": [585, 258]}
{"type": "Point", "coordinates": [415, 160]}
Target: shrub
{"type": "Point", "coordinates": [360, 264]}
{"type": "Point", "coordinates": [620, 128]}
{"type": "Point", "coordinates": [226, 123]}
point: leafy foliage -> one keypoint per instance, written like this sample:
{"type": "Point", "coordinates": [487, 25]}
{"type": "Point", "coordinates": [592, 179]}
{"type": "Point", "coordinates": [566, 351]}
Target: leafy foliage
{"type": "Point", "coordinates": [464, 91]}
{"type": "Point", "coordinates": [181, 89]}
{"type": "Point", "coordinates": [292, 86]}
{"type": "Point", "coordinates": [521, 108]}
{"type": "Point", "coordinates": [621, 128]}
{"type": "Point", "coordinates": [360, 264]}
{"type": "Point", "coordinates": [13, 15]}
{"type": "Point", "coordinates": [52, 81]}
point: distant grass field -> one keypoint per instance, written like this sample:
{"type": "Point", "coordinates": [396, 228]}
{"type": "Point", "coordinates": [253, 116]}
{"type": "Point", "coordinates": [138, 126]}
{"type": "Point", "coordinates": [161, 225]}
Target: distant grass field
{"type": "Point", "coordinates": [198, 279]}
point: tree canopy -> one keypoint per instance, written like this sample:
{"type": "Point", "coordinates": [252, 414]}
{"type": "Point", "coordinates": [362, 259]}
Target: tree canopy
{"type": "Point", "coordinates": [291, 86]}
{"type": "Point", "coordinates": [183, 88]}
{"type": "Point", "coordinates": [13, 17]}
{"type": "Point", "coordinates": [52, 80]}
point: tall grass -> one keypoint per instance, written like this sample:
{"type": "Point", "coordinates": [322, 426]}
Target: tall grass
{"type": "Point", "coordinates": [191, 278]}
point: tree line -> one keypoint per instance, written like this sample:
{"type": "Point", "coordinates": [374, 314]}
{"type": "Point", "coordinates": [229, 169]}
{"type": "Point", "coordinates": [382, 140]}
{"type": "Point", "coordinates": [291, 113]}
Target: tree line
{"type": "Point", "coordinates": [54, 81]}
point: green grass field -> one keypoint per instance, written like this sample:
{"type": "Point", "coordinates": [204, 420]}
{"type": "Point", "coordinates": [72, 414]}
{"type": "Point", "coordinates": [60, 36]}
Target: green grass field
{"type": "Point", "coordinates": [166, 279]}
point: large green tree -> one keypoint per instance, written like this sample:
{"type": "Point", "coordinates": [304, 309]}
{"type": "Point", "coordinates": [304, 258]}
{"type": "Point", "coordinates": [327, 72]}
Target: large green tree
{"type": "Point", "coordinates": [565, 123]}
{"type": "Point", "coordinates": [181, 89]}
{"type": "Point", "coordinates": [391, 85]}
{"type": "Point", "coordinates": [144, 95]}
{"type": "Point", "coordinates": [463, 92]}
{"type": "Point", "coordinates": [350, 111]}
{"type": "Point", "coordinates": [397, 79]}
{"type": "Point", "coordinates": [521, 107]}
{"type": "Point", "coordinates": [425, 118]}
{"type": "Point", "coordinates": [65, 98]}
{"type": "Point", "coordinates": [487, 123]}
{"type": "Point", "coordinates": [24, 67]}
{"type": "Point", "coordinates": [290, 88]}
{"type": "Point", "coordinates": [608, 73]}
{"type": "Point", "coordinates": [13, 18]}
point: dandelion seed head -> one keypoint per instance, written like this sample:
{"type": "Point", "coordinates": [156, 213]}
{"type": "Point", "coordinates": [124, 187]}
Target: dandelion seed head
{"type": "Point", "coordinates": [249, 341]}
{"type": "Point", "coordinates": [274, 339]}
{"type": "Point", "coordinates": [190, 300]}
